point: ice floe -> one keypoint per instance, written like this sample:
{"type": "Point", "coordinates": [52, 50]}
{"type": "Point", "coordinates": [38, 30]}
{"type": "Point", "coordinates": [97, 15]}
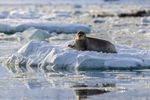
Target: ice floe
{"type": "Point", "coordinates": [4, 14]}
{"type": "Point", "coordinates": [48, 26]}
{"type": "Point", "coordinates": [47, 56]}
{"type": "Point", "coordinates": [35, 34]}
{"type": "Point", "coordinates": [24, 14]}
{"type": "Point", "coordinates": [6, 28]}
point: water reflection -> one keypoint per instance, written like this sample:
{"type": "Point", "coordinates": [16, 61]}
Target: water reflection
{"type": "Point", "coordinates": [84, 91]}
{"type": "Point", "coordinates": [79, 86]}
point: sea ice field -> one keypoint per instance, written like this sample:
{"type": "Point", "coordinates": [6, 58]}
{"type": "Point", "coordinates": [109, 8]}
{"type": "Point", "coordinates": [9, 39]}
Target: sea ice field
{"type": "Point", "coordinates": [37, 64]}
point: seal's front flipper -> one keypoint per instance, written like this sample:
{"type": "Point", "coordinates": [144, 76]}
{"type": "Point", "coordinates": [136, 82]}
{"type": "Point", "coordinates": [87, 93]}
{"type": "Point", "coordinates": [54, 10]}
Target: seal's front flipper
{"type": "Point", "coordinates": [71, 46]}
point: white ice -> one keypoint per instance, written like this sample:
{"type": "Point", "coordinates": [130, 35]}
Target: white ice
{"type": "Point", "coordinates": [54, 57]}
{"type": "Point", "coordinates": [10, 26]}
{"type": "Point", "coordinates": [4, 14]}
{"type": "Point", "coordinates": [24, 14]}
{"type": "Point", "coordinates": [34, 34]}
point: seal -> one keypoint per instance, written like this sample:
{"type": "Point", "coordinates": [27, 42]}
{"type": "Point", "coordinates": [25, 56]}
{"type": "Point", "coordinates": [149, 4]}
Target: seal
{"type": "Point", "coordinates": [84, 43]}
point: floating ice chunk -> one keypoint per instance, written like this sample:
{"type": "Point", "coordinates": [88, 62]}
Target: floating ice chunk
{"type": "Point", "coordinates": [29, 55]}
{"type": "Point", "coordinates": [4, 14]}
{"type": "Point", "coordinates": [13, 26]}
{"type": "Point", "coordinates": [58, 28]}
{"type": "Point", "coordinates": [6, 28]}
{"type": "Point", "coordinates": [35, 34]}
{"type": "Point", "coordinates": [53, 57]}
{"type": "Point", "coordinates": [25, 14]}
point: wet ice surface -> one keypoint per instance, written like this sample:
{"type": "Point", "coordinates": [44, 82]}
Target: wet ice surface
{"type": "Point", "coordinates": [130, 34]}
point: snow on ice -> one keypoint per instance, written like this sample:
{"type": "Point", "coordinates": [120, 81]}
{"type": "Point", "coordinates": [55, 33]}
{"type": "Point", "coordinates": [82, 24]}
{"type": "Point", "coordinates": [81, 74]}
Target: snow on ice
{"type": "Point", "coordinates": [53, 57]}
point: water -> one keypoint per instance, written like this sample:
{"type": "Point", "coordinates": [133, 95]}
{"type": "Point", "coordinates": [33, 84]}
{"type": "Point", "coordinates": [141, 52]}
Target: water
{"type": "Point", "coordinates": [93, 85]}
{"type": "Point", "coordinates": [35, 84]}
